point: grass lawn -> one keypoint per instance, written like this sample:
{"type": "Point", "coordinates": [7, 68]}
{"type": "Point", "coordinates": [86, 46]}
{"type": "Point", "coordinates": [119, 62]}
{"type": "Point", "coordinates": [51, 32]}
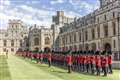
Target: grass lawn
{"type": "Point", "coordinates": [4, 69]}
{"type": "Point", "coordinates": [17, 68]}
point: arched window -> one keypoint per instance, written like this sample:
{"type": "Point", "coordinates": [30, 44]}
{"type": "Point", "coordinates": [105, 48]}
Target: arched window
{"type": "Point", "coordinates": [47, 40]}
{"type": "Point", "coordinates": [36, 41]}
{"type": "Point", "coordinates": [12, 42]}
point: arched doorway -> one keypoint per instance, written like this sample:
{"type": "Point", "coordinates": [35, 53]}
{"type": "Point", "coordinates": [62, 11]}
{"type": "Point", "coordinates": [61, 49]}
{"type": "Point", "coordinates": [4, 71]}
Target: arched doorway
{"type": "Point", "coordinates": [36, 49]}
{"type": "Point", "coordinates": [107, 47]}
{"type": "Point", "coordinates": [46, 49]}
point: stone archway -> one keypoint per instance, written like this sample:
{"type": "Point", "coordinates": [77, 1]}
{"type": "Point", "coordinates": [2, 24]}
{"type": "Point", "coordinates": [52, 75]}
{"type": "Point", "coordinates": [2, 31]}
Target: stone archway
{"type": "Point", "coordinates": [107, 46]}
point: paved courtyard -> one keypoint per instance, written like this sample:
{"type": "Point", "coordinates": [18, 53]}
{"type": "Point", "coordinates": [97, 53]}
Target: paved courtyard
{"type": "Point", "coordinates": [15, 68]}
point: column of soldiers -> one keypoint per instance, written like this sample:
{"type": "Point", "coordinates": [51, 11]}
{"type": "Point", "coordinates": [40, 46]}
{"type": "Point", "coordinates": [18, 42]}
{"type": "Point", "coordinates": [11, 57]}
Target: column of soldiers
{"type": "Point", "coordinates": [93, 62]}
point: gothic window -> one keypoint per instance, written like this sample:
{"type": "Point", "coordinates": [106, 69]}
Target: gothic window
{"type": "Point", "coordinates": [114, 28]}
{"type": "Point", "coordinates": [86, 35]}
{"type": "Point", "coordinates": [106, 30]}
{"type": "Point", "coordinates": [93, 33]}
{"type": "Point", "coordinates": [114, 44]}
{"type": "Point", "coordinates": [47, 41]}
{"type": "Point", "coordinates": [36, 41]}
{"type": "Point", "coordinates": [113, 14]}
{"type": "Point", "coordinates": [5, 42]}
{"type": "Point", "coordinates": [80, 37]}
{"type": "Point", "coordinates": [98, 31]}
{"type": "Point", "coordinates": [12, 42]}
{"type": "Point", "coordinates": [105, 17]}
{"type": "Point", "coordinates": [75, 37]}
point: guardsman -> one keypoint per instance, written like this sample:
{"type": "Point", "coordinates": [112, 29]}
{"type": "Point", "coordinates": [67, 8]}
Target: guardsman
{"type": "Point", "coordinates": [69, 61]}
{"type": "Point", "coordinates": [92, 62]}
{"type": "Point", "coordinates": [88, 61]}
{"type": "Point", "coordinates": [98, 62]}
{"type": "Point", "coordinates": [49, 58]}
{"type": "Point", "coordinates": [41, 57]}
{"type": "Point", "coordinates": [84, 61]}
{"type": "Point", "coordinates": [80, 60]}
{"type": "Point", "coordinates": [110, 62]}
{"type": "Point", "coordinates": [104, 63]}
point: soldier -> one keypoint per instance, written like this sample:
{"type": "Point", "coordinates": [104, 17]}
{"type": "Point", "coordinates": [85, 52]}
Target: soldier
{"type": "Point", "coordinates": [49, 59]}
{"type": "Point", "coordinates": [88, 61]}
{"type": "Point", "coordinates": [41, 57]}
{"type": "Point", "coordinates": [110, 62]}
{"type": "Point", "coordinates": [98, 62]}
{"type": "Point", "coordinates": [80, 60]}
{"type": "Point", "coordinates": [104, 63]}
{"type": "Point", "coordinates": [92, 62]}
{"type": "Point", "coordinates": [69, 61]}
{"type": "Point", "coordinates": [84, 61]}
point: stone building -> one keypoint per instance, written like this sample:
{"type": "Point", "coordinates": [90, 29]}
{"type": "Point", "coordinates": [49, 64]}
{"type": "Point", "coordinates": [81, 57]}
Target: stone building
{"type": "Point", "coordinates": [14, 37]}
{"type": "Point", "coordinates": [97, 30]}
{"type": "Point", "coordinates": [40, 38]}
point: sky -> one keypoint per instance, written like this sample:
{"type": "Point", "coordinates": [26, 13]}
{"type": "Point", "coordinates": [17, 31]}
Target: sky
{"type": "Point", "coordinates": [40, 12]}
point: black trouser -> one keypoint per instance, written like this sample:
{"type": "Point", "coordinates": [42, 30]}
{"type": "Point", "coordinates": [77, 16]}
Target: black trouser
{"type": "Point", "coordinates": [49, 62]}
{"type": "Point", "coordinates": [69, 68]}
{"type": "Point", "coordinates": [84, 67]}
{"type": "Point", "coordinates": [98, 70]}
{"type": "Point", "coordinates": [110, 68]}
{"type": "Point", "coordinates": [88, 67]}
{"type": "Point", "coordinates": [80, 67]}
{"type": "Point", "coordinates": [105, 71]}
{"type": "Point", "coordinates": [92, 68]}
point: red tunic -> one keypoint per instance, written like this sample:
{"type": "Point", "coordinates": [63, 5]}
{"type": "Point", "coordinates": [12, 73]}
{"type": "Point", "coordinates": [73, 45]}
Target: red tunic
{"type": "Point", "coordinates": [104, 61]}
{"type": "Point", "coordinates": [93, 59]}
{"type": "Point", "coordinates": [49, 56]}
{"type": "Point", "coordinates": [98, 61]}
{"type": "Point", "coordinates": [88, 59]}
{"type": "Point", "coordinates": [84, 59]}
{"type": "Point", "coordinates": [110, 59]}
{"type": "Point", "coordinates": [69, 60]}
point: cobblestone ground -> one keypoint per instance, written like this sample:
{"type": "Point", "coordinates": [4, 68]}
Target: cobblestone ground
{"type": "Point", "coordinates": [15, 68]}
